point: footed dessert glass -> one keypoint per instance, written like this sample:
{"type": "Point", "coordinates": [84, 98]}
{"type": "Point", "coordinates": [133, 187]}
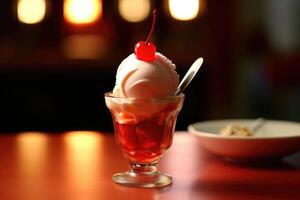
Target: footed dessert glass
{"type": "Point", "coordinates": [144, 131]}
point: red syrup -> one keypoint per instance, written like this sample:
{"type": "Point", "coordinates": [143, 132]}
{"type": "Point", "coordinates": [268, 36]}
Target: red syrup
{"type": "Point", "coordinates": [145, 141]}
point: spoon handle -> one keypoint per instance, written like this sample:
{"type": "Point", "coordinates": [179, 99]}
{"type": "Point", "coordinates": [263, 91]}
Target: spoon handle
{"type": "Point", "coordinates": [189, 75]}
{"type": "Point", "coordinates": [260, 122]}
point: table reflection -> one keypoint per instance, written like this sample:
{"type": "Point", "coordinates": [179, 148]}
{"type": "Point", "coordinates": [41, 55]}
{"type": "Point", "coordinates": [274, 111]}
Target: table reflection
{"type": "Point", "coordinates": [83, 149]}
{"type": "Point", "coordinates": [32, 149]}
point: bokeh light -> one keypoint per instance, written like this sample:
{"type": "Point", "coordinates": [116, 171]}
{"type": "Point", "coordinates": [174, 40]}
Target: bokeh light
{"type": "Point", "coordinates": [82, 11]}
{"type": "Point", "coordinates": [31, 11]}
{"type": "Point", "coordinates": [184, 10]}
{"type": "Point", "coordinates": [134, 10]}
{"type": "Point", "coordinates": [86, 46]}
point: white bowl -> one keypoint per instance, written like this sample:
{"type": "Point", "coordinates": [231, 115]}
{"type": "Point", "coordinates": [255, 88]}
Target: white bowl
{"type": "Point", "coordinates": [274, 140]}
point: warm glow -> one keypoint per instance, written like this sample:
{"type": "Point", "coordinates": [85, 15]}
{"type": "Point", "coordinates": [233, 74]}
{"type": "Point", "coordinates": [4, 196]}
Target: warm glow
{"type": "Point", "coordinates": [82, 11]}
{"type": "Point", "coordinates": [32, 148]}
{"type": "Point", "coordinates": [134, 10]}
{"type": "Point", "coordinates": [84, 46]}
{"type": "Point", "coordinates": [184, 10]}
{"type": "Point", "coordinates": [83, 149]}
{"type": "Point", "coordinates": [31, 11]}
{"type": "Point", "coordinates": [82, 140]}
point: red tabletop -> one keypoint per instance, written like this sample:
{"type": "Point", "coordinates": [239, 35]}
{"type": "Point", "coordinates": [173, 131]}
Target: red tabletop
{"type": "Point", "coordinates": [79, 166]}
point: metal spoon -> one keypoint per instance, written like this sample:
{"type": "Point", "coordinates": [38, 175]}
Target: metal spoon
{"type": "Point", "coordinates": [260, 122]}
{"type": "Point", "coordinates": [189, 75]}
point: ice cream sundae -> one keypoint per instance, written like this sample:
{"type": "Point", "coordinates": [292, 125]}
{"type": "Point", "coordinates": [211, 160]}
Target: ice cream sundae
{"type": "Point", "coordinates": [144, 109]}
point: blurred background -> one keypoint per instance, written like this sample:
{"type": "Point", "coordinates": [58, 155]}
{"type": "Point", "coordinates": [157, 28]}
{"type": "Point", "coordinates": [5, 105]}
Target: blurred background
{"type": "Point", "coordinates": [58, 58]}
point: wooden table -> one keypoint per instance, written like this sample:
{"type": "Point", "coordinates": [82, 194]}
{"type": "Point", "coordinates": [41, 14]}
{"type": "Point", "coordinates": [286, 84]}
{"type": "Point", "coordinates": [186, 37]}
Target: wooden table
{"type": "Point", "coordinates": [79, 166]}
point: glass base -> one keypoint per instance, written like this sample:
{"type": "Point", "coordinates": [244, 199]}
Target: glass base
{"type": "Point", "coordinates": [145, 176]}
{"type": "Point", "coordinates": [152, 180]}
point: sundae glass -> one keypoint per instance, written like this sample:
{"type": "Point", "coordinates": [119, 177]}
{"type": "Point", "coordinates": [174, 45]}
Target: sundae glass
{"type": "Point", "coordinates": [144, 109]}
{"type": "Point", "coordinates": [144, 130]}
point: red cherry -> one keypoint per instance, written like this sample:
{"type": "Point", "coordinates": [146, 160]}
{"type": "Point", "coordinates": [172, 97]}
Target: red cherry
{"type": "Point", "coordinates": [145, 51]}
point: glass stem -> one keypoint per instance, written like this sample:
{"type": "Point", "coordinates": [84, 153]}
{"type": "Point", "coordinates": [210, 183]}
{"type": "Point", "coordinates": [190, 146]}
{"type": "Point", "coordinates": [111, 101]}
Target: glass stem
{"type": "Point", "coordinates": [138, 168]}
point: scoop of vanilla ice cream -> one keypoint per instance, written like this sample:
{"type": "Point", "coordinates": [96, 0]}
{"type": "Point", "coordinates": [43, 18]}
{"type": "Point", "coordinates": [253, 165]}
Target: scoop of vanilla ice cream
{"type": "Point", "coordinates": [139, 79]}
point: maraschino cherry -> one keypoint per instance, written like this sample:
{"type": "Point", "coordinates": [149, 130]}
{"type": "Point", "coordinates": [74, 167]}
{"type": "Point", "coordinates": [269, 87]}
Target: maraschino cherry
{"type": "Point", "coordinates": [145, 50]}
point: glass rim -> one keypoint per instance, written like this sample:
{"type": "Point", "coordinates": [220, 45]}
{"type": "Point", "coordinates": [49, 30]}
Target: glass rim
{"type": "Point", "coordinates": [111, 96]}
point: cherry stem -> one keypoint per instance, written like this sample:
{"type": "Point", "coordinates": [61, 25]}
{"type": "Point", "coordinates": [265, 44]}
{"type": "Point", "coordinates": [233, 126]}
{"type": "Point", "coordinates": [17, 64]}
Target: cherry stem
{"type": "Point", "coordinates": [154, 13]}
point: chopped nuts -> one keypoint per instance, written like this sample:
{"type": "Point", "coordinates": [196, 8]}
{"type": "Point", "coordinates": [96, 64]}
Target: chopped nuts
{"type": "Point", "coordinates": [234, 130]}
